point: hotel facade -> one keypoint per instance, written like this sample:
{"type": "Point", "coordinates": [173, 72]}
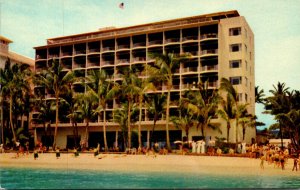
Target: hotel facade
{"type": "Point", "coordinates": [220, 44]}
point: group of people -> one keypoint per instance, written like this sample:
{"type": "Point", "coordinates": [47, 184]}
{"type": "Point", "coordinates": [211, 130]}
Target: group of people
{"type": "Point", "coordinates": [198, 147]}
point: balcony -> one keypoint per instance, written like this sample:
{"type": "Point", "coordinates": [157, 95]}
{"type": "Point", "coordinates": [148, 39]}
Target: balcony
{"type": "Point", "coordinates": [92, 64]}
{"type": "Point", "coordinates": [65, 54]}
{"type": "Point", "coordinates": [53, 56]}
{"type": "Point", "coordinates": [108, 48]}
{"type": "Point", "coordinates": [79, 52]}
{"type": "Point", "coordinates": [139, 45]}
{"type": "Point", "coordinates": [209, 52]}
{"type": "Point", "coordinates": [208, 36]}
{"type": "Point", "coordinates": [50, 96]}
{"type": "Point", "coordinates": [189, 38]}
{"type": "Point", "coordinates": [209, 68]}
{"type": "Point", "coordinates": [95, 50]}
{"type": "Point", "coordinates": [123, 62]}
{"type": "Point", "coordinates": [175, 87]}
{"type": "Point", "coordinates": [155, 42]}
{"type": "Point", "coordinates": [192, 53]}
{"type": "Point", "coordinates": [40, 57]}
{"type": "Point", "coordinates": [189, 86]}
{"type": "Point", "coordinates": [212, 85]}
{"type": "Point", "coordinates": [172, 40]}
{"type": "Point", "coordinates": [123, 47]}
{"type": "Point", "coordinates": [139, 59]}
{"type": "Point", "coordinates": [189, 69]}
{"type": "Point", "coordinates": [107, 63]}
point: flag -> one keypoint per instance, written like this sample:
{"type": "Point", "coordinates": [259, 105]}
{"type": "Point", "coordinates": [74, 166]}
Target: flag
{"type": "Point", "coordinates": [121, 6]}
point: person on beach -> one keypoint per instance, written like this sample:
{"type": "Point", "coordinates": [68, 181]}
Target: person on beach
{"type": "Point", "coordinates": [57, 153]}
{"type": "Point", "coordinates": [96, 152]}
{"type": "Point", "coordinates": [281, 160]}
{"type": "Point", "coordinates": [296, 160]}
{"type": "Point", "coordinates": [35, 154]}
{"type": "Point", "coordinates": [262, 159]}
{"type": "Point", "coordinates": [76, 153]}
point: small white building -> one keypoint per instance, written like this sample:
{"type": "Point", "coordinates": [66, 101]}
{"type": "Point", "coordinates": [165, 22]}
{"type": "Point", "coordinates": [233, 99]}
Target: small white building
{"type": "Point", "coordinates": [277, 142]}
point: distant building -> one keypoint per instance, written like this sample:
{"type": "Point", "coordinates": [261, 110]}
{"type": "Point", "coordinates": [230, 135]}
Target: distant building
{"type": "Point", "coordinates": [221, 45]}
{"type": "Point", "coordinates": [5, 54]}
{"type": "Point", "coordinates": [15, 58]}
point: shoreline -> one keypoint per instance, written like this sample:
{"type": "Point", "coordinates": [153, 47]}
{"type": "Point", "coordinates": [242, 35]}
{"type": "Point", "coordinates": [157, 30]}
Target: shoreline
{"type": "Point", "coordinates": [142, 163]}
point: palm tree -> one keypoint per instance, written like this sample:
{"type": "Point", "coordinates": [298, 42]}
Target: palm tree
{"type": "Point", "coordinates": [99, 87]}
{"type": "Point", "coordinates": [155, 107]}
{"type": "Point", "coordinates": [185, 121]}
{"type": "Point", "coordinates": [245, 119]}
{"type": "Point", "coordinates": [85, 108]}
{"type": "Point", "coordinates": [57, 81]}
{"type": "Point", "coordinates": [234, 96]}
{"type": "Point", "coordinates": [163, 70]}
{"type": "Point", "coordinates": [14, 82]}
{"type": "Point", "coordinates": [227, 113]}
{"type": "Point", "coordinates": [259, 94]}
{"type": "Point", "coordinates": [130, 90]}
{"type": "Point", "coordinates": [203, 103]}
{"type": "Point", "coordinates": [144, 86]}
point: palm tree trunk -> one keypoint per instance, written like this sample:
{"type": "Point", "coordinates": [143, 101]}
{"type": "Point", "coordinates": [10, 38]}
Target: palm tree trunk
{"type": "Point", "coordinates": [11, 119]}
{"type": "Point", "coordinates": [56, 122]}
{"type": "Point", "coordinates": [153, 128]}
{"type": "Point", "coordinates": [140, 120]}
{"type": "Point", "coordinates": [104, 130]}
{"type": "Point", "coordinates": [228, 130]}
{"type": "Point", "coordinates": [244, 131]}
{"type": "Point", "coordinates": [167, 121]}
{"type": "Point", "coordinates": [128, 124]}
{"type": "Point", "coordinates": [237, 130]}
{"type": "Point", "coordinates": [86, 133]}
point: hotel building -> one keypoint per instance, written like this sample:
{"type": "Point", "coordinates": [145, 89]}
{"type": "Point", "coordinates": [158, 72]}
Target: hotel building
{"type": "Point", "coordinates": [221, 45]}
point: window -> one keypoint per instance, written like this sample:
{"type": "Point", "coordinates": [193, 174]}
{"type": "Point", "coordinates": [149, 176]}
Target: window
{"type": "Point", "coordinates": [246, 63]}
{"type": "Point", "coordinates": [246, 81]}
{"type": "Point", "coordinates": [235, 47]}
{"type": "Point", "coordinates": [235, 63]}
{"type": "Point", "coordinates": [246, 97]}
{"type": "Point", "coordinates": [245, 48]}
{"type": "Point", "coordinates": [235, 80]}
{"type": "Point", "coordinates": [235, 31]}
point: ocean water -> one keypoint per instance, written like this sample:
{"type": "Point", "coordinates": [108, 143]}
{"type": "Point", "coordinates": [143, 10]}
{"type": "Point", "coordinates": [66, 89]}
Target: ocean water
{"type": "Point", "coordinates": [24, 178]}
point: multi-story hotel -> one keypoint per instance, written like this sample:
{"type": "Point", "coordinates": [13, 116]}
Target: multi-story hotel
{"type": "Point", "coordinates": [221, 45]}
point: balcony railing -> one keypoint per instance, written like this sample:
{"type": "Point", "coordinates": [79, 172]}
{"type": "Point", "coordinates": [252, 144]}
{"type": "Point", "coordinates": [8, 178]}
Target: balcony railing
{"type": "Point", "coordinates": [139, 44]}
{"type": "Point", "coordinates": [187, 38]}
{"type": "Point", "coordinates": [53, 56]}
{"type": "Point", "coordinates": [175, 87]}
{"type": "Point", "coordinates": [155, 42]}
{"type": "Point", "coordinates": [92, 64]}
{"type": "Point", "coordinates": [189, 86]}
{"type": "Point", "coordinates": [189, 69]}
{"type": "Point", "coordinates": [107, 63]}
{"type": "Point", "coordinates": [94, 50]}
{"type": "Point", "coordinates": [211, 35]}
{"type": "Point", "coordinates": [212, 84]}
{"type": "Point", "coordinates": [193, 53]}
{"type": "Point", "coordinates": [122, 61]}
{"type": "Point", "coordinates": [66, 54]}
{"type": "Point", "coordinates": [137, 59]}
{"type": "Point", "coordinates": [108, 48]}
{"type": "Point", "coordinates": [50, 96]}
{"type": "Point", "coordinates": [170, 40]}
{"type": "Point", "coordinates": [77, 52]}
{"type": "Point", "coordinates": [41, 57]}
{"type": "Point", "coordinates": [209, 68]}
{"type": "Point", "coordinates": [209, 51]}
{"type": "Point", "coordinates": [124, 46]}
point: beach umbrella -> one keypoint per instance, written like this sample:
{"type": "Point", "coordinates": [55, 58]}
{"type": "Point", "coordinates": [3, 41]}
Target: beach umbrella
{"type": "Point", "coordinates": [177, 142]}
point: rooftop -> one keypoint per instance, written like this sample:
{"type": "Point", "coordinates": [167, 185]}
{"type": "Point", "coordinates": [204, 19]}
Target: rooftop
{"type": "Point", "coordinates": [113, 31]}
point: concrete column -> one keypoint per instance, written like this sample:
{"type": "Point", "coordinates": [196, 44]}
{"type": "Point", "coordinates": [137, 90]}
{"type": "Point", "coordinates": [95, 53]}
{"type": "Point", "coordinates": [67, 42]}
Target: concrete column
{"type": "Point", "coordinates": [116, 142]}
{"type": "Point", "coordinates": [148, 139]}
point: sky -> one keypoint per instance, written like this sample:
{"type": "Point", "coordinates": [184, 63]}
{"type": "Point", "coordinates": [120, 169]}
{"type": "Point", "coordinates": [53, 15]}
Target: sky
{"type": "Point", "coordinates": [275, 23]}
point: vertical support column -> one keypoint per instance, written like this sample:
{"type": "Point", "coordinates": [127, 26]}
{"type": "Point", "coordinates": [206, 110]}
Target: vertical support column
{"type": "Point", "coordinates": [148, 139]}
{"type": "Point", "coordinates": [116, 140]}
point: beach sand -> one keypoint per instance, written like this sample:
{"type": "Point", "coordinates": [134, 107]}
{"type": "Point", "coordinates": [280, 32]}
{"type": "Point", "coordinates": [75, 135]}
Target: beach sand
{"type": "Point", "coordinates": [143, 163]}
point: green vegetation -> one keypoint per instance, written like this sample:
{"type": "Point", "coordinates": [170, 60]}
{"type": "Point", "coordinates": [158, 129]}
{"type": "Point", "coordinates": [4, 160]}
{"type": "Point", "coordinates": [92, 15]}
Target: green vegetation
{"type": "Point", "coordinates": [197, 107]}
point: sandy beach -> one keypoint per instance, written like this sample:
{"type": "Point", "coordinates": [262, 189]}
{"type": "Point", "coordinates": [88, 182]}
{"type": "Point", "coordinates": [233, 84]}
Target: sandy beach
{"type": "Point", "coordinates": [160, 163]}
